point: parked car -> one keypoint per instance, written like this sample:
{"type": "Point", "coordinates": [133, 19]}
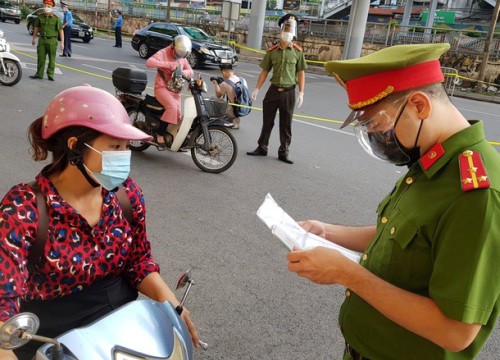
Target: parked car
{"type": "Point", "coordinates": [206, 51]}
{"type": "Point", "coordinates": [79, 30]}
{"type": "Point", "coordinates": [9, 12]}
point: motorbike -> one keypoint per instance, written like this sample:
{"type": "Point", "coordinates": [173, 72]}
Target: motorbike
{"type": "Point", "coordinates": [141, 329]}
{"type": "Point", "coordinates": [10, 65]}
{"type": "Point", "coordinates": [203, 129]}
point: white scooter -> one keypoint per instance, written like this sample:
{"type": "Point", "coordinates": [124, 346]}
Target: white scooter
{"type": "Point", "coordinates": [141, 329]}
{"type": "Point", "coordinates": [10, 65]}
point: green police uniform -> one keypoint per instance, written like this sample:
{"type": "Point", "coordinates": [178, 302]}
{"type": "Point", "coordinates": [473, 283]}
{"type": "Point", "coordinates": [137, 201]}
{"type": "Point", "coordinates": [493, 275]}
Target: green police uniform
{"type": "Point", "coordinates": [437, 240]}
{"type": "Point", "coordinates": [438, 231]}
{"type": "Point", "coordinates": [48, 28]}
{"type": "Point", "coordinates": [285, 64]}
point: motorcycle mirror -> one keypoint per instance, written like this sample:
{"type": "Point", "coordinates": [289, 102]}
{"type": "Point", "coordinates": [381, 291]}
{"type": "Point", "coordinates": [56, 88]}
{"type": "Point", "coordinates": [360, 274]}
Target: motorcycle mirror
{"type": "Point", "coordinates": [184, 279]}
{"type": "Point", "coordinates": [13, 332]}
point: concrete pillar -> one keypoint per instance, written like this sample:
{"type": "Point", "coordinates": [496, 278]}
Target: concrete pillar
{"type": "Point", "coordinates": [256, 29]}
{"type": "Point", "coordinates": [430, 18]}
{"type": "Point", "coordinates": [356, 29]}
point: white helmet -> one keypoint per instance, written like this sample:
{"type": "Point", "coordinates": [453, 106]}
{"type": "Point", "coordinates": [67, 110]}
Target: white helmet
{"type": "Point", "coordinates": [182, 46]}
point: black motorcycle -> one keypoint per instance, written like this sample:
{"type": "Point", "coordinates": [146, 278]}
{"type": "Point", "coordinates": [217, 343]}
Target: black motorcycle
{"type": "Point", "coordinates": [202, 130]}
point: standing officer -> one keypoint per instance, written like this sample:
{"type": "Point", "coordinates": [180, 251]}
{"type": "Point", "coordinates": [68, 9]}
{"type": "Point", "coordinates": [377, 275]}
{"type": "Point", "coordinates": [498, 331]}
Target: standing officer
{"type": "Point", "coordinates": [49, 26]}
{"type": "Point", "coordinates": [427, 285]}
{"type": "Point", "coordinates": [118, 29]}
{"type": "Point", "coordinates": [67, 24]}
{"type": "Point", "coordinates": [288, 64]}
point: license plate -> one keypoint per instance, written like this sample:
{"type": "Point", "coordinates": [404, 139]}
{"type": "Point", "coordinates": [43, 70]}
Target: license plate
{"type": "Point", "coordinates": [225, 61]}
{"type": "Point", "coordinates": [81, 33]}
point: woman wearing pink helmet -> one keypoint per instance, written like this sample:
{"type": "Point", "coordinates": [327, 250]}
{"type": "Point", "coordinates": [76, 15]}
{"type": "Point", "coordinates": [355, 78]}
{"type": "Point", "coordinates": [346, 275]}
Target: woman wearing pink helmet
{"type": "Point", "coordinates": [94, 254]}
{"type": "Point", "coordinates": [171, 63]}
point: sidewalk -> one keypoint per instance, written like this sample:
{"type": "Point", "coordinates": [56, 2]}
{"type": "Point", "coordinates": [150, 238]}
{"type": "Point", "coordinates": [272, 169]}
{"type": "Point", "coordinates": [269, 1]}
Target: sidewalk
{"type": "Point", "coordinates": [318, 69]}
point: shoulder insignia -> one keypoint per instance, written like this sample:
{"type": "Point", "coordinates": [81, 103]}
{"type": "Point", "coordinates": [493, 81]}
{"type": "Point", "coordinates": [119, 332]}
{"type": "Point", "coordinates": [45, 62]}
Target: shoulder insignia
{"type": "Point", "coordinates": [472, 172]}
{"type": "Point", "coordinates": [433, 155]}
{"type": "Point", "coordinates": [272, 48]}
{"type": "Point", "coordinates": [297, 47]}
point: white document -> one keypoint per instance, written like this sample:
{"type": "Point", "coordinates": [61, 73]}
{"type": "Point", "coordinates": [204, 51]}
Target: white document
{"type": "Point", "coordinates": [292, 234]}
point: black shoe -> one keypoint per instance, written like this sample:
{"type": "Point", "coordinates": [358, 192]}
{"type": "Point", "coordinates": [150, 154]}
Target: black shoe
{"type": "Point", "coordinates": [257, 152]}
{"type": "Point", "coordinates": [51, 79]}
{"type": "Point", "coordinates": [63, 55]}
{"type": "Point", "coordinates": [35, 77]}
{"type": "Point", "coordinates": [285, 159]}
{"type": "Point", "coordinates": [69, 55]}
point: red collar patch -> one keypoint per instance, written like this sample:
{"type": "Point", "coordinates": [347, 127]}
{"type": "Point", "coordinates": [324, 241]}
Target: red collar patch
{"type": "Point", "coordinates": [472, 171]}
{"type": "Point", "coordinates": [433, 155]}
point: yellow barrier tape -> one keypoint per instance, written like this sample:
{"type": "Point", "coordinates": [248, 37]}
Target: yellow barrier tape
{"type": "Point", "coordinates": [466, 78]}
{"type": "Point", "coordinates": [494, 143]}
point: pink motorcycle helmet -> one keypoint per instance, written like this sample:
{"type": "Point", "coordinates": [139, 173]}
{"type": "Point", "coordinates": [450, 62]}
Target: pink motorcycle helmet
{"type": "Point", "coordinates": [93, 108]}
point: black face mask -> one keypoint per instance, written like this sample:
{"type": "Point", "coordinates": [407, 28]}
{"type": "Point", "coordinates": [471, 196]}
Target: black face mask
{"type": "Point", "coordinates": [413, 153]}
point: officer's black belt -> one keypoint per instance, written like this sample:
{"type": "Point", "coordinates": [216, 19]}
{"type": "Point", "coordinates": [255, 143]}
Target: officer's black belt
{"type": "Point", "coordinates": [49, 37]}
{"type": "Point", "coordinates": [282, 88]}
{"type": "Point", "coordinates": [353, 353]}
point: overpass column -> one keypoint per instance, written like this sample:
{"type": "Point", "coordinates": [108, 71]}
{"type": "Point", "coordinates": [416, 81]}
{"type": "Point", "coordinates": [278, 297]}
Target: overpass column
{"type": "Point", "coordinates": [356, 29]}
{"type": "Point", "coordinates": [257, 15]}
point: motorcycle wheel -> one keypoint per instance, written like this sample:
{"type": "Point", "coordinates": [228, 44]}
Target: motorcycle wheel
{"type": "Point", "coordinates": [13, 72]}
{"type": "Point", "coordinates": [222, 155]}
{"type": "Point", "coordinates": [138, 120]}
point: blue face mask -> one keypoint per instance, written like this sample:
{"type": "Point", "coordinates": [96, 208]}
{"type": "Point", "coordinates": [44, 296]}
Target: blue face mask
{"type": "Point", "coordinates": [115, 168]}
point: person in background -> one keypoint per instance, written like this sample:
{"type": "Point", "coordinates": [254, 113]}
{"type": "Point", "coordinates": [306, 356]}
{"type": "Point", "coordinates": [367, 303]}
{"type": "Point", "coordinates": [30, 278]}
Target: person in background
{"type": "Point", "coordinates": [171, 64]}
{"type": "Point", "coordinates": [225, 88]}
{"type": "Point", "coordinates": [288, 64]}
{"type": "Point", "coordinates": [118, 29]}
{"type": "Point", "coordinates": [427, 285]}
{"type": "Point", "coordinates": [67, 24]}
{"type": "Point", "coordinates": [94, 254]}
{"type": "Point", "coordinates": [49, 26]}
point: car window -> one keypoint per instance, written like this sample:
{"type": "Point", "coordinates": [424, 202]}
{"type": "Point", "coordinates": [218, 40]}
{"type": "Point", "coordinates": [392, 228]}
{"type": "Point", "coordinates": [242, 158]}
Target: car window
{"type": "Point", "coordinates": [159, 28]}
{"type": "Point", "coordinates": [76, 18]}
{"type": "Point", "coordinates": [37, 12]}
{"type": "Point", "coordinates": [195, 33]}
{"type": "Point", "coordinates": [171, 30]}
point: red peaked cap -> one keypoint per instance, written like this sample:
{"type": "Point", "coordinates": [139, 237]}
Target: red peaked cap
{"type": "Point", "coordinates": [49, 2]}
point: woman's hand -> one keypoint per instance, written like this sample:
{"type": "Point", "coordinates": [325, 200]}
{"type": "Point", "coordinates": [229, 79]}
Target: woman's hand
{"type": "Point", "coordinates": [314, 227]}
{"type": "Point", "coordinates": [186, 316]}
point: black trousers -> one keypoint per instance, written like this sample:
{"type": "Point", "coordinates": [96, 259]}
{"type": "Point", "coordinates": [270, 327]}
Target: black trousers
{"type": "Point", "coordinates": [118, 36]}
{"type": "Point", "coordinates": [75, 310]}
{"type": "Point", "coordinates": [275, 100]}
{"type": "Point", "coordinates": [67, 40]}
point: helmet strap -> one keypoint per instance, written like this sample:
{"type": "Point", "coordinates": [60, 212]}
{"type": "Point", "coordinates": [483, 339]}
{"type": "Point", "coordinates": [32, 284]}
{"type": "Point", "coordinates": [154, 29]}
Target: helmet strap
{"type": "Point", "coordinates": [82, 169]}
{"type": "Point", "coordinates": [75, 158]}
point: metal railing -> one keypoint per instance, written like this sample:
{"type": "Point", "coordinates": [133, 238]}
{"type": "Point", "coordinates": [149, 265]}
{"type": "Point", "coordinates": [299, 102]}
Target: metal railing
{"type": "Point", "coordinates": [451, 79]}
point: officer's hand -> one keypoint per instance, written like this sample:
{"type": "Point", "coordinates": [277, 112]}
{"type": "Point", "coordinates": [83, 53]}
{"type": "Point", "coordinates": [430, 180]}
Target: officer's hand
{"type": "Point", "coordinates": [300, 99]}
{"type": "Point", "coordinates": [254, 94]}
{"type": "Point", "coordinates": [314, 227]}
{"type": "Point", "coordinates": [33, 42]}
{"type": "Point", "coordinates": [62, 46]}
{"type": "Point", "coordinates": [321, 265]}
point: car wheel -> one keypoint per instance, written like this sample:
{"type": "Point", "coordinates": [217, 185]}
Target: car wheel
{"type": "Point", "coordinates": [193, 60]}
{"type": "Point", "coordinates": [86, 39]}
{"type": "Point", "coordinates": [31, 28]}
{"type": "Point", "coordinates": [17, 21]}
{"type": "Point", "coordinates": [143, 50]}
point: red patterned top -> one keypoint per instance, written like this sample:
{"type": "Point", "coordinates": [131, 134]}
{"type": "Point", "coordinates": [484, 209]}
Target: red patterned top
{"type": "Point", "coordinates": [76, 254]}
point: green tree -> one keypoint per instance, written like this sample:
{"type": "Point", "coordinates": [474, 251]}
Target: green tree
{"type": "Point", "coordinates": [271, 5]}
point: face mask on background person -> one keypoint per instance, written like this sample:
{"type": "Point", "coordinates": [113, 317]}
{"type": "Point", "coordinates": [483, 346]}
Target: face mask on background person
{"type": "Point", "coordinates": [47, 9]}
{"type": "Point", "coordinates": [286, 37]}
{"type": "Point", "coordinates": [115, 168]}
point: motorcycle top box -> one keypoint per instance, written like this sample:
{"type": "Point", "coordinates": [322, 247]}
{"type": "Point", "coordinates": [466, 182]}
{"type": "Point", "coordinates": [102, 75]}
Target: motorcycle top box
{"type": "Point", "coordinates": [132, 81]}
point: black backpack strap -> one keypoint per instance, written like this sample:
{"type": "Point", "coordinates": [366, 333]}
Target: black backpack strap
{"type": "Point", "coordinates": [128, 212]}
{"type": "Point", "coordinates": [37, 247]}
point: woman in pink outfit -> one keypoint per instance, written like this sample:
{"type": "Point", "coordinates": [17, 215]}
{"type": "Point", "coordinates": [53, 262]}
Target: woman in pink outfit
{"type": "Point", "coordinates": [170, 62]}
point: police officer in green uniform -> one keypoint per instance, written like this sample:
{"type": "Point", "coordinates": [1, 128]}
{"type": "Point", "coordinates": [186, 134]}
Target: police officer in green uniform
{"type": "Point", "coordinates": [288, 64]}
{"type": "Point", "coordinates": [49, 26]}
{"type": "Point", "coordinates": [427, 285]}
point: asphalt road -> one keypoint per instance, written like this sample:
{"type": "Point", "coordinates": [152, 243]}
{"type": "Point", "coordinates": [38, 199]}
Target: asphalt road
{"type": "Point", "coordinates": [245, 303]}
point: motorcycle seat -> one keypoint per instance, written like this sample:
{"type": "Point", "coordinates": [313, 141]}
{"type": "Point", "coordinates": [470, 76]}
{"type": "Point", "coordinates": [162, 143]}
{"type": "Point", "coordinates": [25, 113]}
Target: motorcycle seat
{"type": "Point", "coordinates": [152, 103]}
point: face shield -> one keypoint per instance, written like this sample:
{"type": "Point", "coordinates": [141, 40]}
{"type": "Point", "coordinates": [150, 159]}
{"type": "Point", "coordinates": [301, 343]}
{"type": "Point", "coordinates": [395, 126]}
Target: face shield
{"type": "Point", "coordinates": [374, 129]}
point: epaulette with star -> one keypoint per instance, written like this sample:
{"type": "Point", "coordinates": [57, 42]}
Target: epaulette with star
{"type": "Point", "coordinates": [297, 47]}
{"type": "Point", "coordinates": [272, 48]}
{"type": "Point", "coordinates": [472, 171]}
